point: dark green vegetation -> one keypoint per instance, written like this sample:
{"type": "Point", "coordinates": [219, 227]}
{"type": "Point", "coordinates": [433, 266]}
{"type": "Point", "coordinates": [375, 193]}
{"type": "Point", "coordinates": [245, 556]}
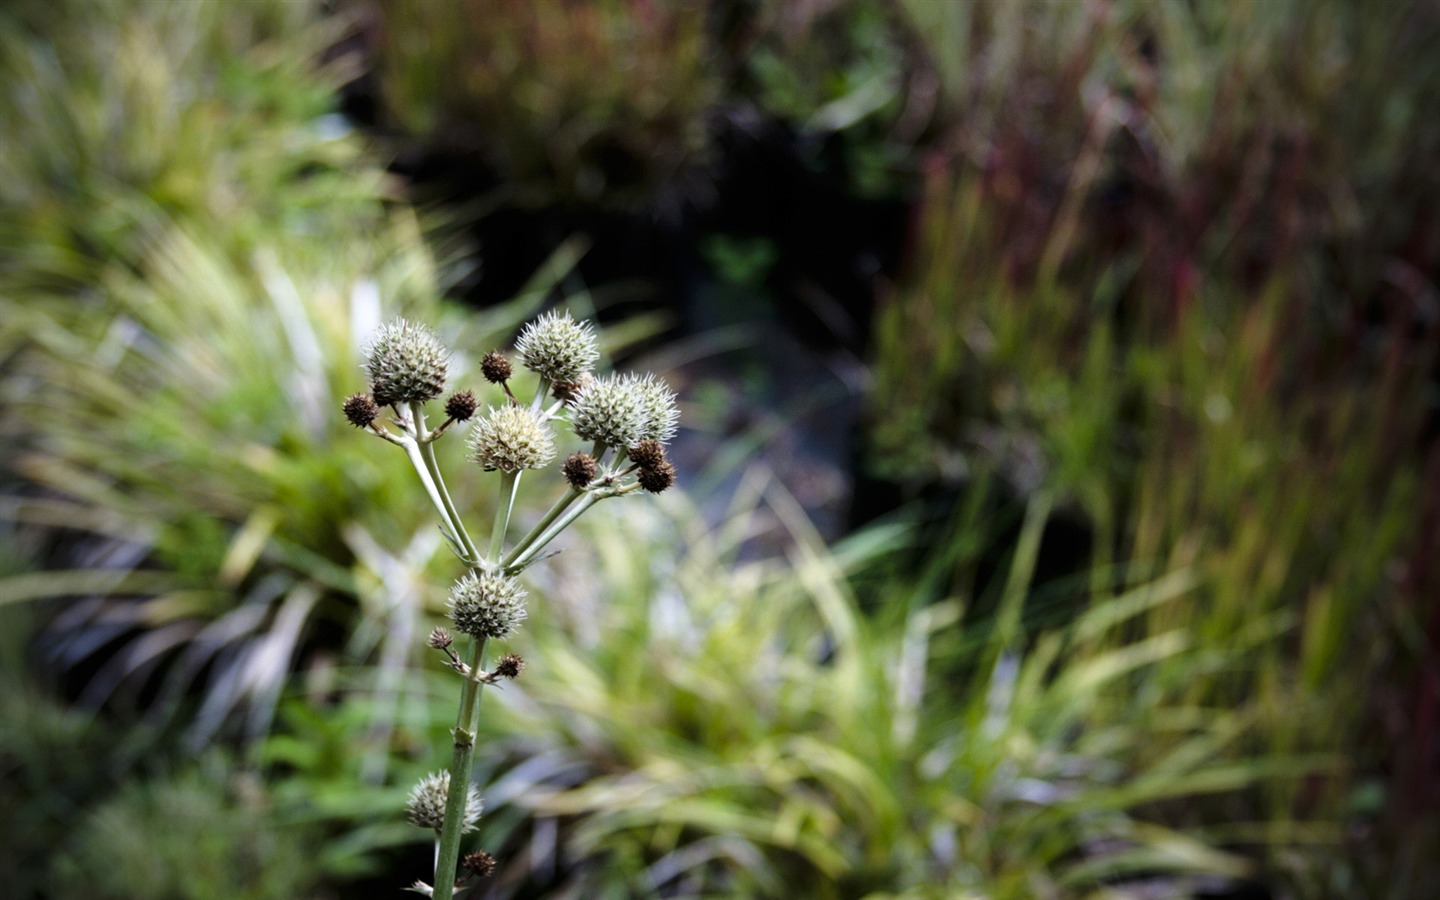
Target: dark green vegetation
{"type": "Point", "coordinates": [1167, 282]}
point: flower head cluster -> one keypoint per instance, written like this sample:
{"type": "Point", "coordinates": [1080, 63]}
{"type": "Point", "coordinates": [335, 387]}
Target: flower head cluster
{"type": "Point", "coordinates": [623, 410]}
{"type": "Point", "coordinates": [511, 438]}
{"type": "Point", "coordinates": [487, 605]}
{"type": "Point", "coordinates": [406, 364]}
{"type": "Point", "coordinates": [558, 347]}
{"type": "Point", "coordinates": [426, 804]}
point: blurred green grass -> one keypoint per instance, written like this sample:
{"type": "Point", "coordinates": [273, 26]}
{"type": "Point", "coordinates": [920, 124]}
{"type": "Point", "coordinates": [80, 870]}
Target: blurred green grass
{"type": "Point", "coordinates": [1161, 282]}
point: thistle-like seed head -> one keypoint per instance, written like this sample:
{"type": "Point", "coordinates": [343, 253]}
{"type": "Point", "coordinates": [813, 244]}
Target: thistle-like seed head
{"type": "Point", "coordinates": [496, 367]}
{"type": "Point", "coordinates": [479, 863]}
{"type": "Point", "coordinates": [461, 406]}
{"type": "Point", "coordinates": [662, 416]}
{"type": "Point", "coordinates": [487, 605]}
{"type": "Point", "coordinates": [426, 804]}
{"type": "Point", "coordinates": [609, 410]}
{"type": "Point", "coordinates": [657, 479]}
{"type": "Point", "coordinates": [439, 639]}
{"type": "Point", "coordinates": [558, 347]}
{"type": "Point", "coordinates": [361, 410]}
{"type": "Point", "coordinates": [510, 666]}
{"type": "Point", "coordinates": [406, 364]}
{"type": "Point", "coordinates": [648, 454]}
{"type": "Point", "coordinates": [511, 438]}
{"type": "Point", "coordinates": [580, 469]}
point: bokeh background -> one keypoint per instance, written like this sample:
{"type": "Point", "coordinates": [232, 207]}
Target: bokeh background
{"type": "Point", "coordinates": [1059, 509]}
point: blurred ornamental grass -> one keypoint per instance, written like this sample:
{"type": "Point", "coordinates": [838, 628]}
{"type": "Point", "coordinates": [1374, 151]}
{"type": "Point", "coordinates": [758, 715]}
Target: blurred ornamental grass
{"type": "Point", "coordinates": [1172, 274]}
{"type": "Point", "coordinates": [170, 366]}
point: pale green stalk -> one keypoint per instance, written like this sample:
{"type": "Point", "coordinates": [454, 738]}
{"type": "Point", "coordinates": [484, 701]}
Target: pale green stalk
{"type": "Point", "coordinates": [521, 556]}
{"type": "Point", "coordinates": [509, 486]}
{"type": "Point", "coordinates": [461, 756]}
{"type": "Point", "coordinates": [423, 458]}
{"type": "Point", "coordinates": [550, 516]}
{"type": "Point", "coordinates": [420, 449]}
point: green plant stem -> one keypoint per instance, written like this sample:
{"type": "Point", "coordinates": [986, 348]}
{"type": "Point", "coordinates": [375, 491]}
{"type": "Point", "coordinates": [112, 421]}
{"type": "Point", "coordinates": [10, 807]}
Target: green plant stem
{"type": "Point", "coordinates": [521, 557]}
{"type": "Point", "coordinates": [541, 390]}
{"type": "Point", "coordinates": [509, 485]}
{"type": "Point", "coordinates": [435, 483]}
{"type": "Point", "coordinates": [460, 759]}
{"type": "Point", "coordinates": [550, 516]}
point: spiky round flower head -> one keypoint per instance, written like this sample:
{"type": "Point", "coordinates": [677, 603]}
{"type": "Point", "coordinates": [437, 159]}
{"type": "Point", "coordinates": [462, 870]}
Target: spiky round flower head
{"type": "Point", "coordinates": [361, 410]}
{"type": "Point", "coordinates": [426, 804]}
{"type": "Point", "coordinates": [510, 666]}
{"type": "Point", "coordinates": [580, 469]}
{"type": "Point", "coordinates": [657, 479]}
{"type": "Point", "coordinates": [496, 367]}
{"type": "Point", "coordinates": [479, 863]}
{"type": "Point", "coordinates": [648, 454]}
{"type": "Point", "coordinates": [609, 410]}
{"type": "Point", "coordinates": [511, 438]}
{"type": "Point", "coordinates": [439, 639]}
{"type": "Point", "coordinates": [487, 605]}
{"type": "Point", "coordinates": [658, 402]}
{"type": "Point", "coordinates": [558, 347]}
{"type": "Point", "coordinates": [461, 406]}
{"type": "Point", "coordinates": [406, 363]}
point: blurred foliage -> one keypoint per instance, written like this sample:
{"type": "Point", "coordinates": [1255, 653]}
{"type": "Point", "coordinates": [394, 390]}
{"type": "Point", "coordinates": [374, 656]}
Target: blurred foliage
{"type": "Point", "coordinates": [1168, 278]}
{"type": "Point", "coordinates": [204, 833]}
{"type": "Point", "coordinates": [1174, 289]}
{"type": "Point", "coordinates": [707, 726]}
{"type": "Point", "coordinates": [174, 366]}
{"type": "Point", "coordinates": [569, 102]}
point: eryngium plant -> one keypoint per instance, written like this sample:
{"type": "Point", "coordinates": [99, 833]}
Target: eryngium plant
{"type": "Point", "coordinates": [626, 419]}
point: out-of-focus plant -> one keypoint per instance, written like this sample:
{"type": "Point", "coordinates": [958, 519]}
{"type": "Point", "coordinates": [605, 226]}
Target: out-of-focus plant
{"type": "Point", "coordinates": [628, 416]}
{"type": "Point", "coordinates": [843, 76]}
{"type": "Point", "coordinates": [206, 832]}
{"type": "Point", "coordinates": [740, 728]}
{"type": "Point", "coordinates": [1162, 281]}
{"type": "Point", "coordinates": [569, 102]}
{"type": "Point", "coordinates": [144, 330]}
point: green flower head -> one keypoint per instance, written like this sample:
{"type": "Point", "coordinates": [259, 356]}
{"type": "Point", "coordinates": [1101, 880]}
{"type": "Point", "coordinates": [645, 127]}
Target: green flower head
{"type": "Point", "coordinates": [406, 364]}
{"type": "Point", "coordinates": [558, 347]}
{"type": "Point", "coordinates": [426, 804]}
{"type": "Point", "coordinates": [511, 438]}
{"type": "Point", "coordinates": [487, 605]}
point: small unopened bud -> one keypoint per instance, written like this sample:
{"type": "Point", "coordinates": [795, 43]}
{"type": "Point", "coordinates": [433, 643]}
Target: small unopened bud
{"type": "Point", "coordinates": [426, 804]}
{"type": "Point", "coordinates": [580, 469]}
{"type": "Point", "coordinates": [496, 367]}
{"type": "Point", "coordinates": [487, 605]}
{"type": "Point", "coordinates": [558, 347]}
{"type": "Point", "coordinates": [461, 406]}
{"type": "Point", "coordinates": [479, 863]}
{"type": "Point", "coordinates": [648, 454]}
{"type": "Point", "coordinates": [657, 479]}
{"type": "Point", "coordinates": [361, 410]}
{"type": "Point", "coordinates": [511, 438]}
{"type": "Point", "coordinates": [407, 364]}
{"type": "Point", "coordinates": [566, 391]}
{"type": "Point", "coordinates": [440, 639]}
{"type": "Point", "coordinates": [510, 666]}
